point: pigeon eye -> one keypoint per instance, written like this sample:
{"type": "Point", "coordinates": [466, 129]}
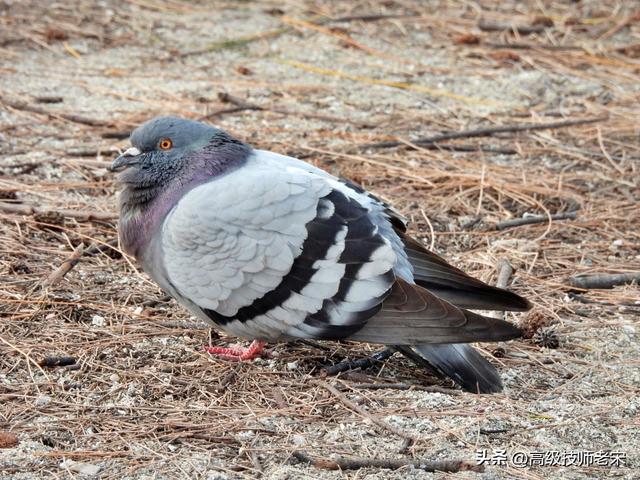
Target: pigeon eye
{"type": "Point", "coordinates": [165, 144]}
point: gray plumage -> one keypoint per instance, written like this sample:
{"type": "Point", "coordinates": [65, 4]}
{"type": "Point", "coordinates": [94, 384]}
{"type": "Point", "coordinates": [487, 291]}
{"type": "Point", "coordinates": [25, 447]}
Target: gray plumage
{"type": "Point", "coordinates": [268, 247]}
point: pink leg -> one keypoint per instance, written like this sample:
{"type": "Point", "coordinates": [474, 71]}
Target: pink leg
{"type": "Point", "coordinates": [238, 354]}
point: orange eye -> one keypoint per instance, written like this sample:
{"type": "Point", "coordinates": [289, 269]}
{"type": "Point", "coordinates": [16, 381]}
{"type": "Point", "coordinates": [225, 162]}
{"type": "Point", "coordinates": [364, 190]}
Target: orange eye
{"type": "Point", "coordinates": [165, 144]}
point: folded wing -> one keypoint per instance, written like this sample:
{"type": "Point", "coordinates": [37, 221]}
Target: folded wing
{"type": "Point", "coordinates": [277, 253]}
{"type": "Point", "coordinates": [412, 315]}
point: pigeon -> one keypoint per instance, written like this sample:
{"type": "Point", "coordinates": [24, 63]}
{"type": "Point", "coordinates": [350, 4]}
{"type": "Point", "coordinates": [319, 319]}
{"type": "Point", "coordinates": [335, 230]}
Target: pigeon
{"type": "Point", "coordinates": [269, 248]}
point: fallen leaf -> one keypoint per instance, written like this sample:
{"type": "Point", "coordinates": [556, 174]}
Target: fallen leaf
{"type": "Point", "coordinates": [504, 55]}
{"type": "Point", "coordinates": [467, 39]}
{"type": "Point", "coordinates": [543, 20]}
{"type": "Point", "coordinates": [54, 33]}
{"type": "Point", "coordinates": [243, 70]}
{"type": "Point", "coordinates": [8, 440]}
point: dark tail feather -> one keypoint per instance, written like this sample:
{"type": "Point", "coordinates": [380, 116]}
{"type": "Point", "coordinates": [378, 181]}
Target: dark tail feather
{"type": "Point", "coordinates": [460, 362]}
{"type": "Point", "coordinates": [456, 287]}
{"type": "Point", "coordinates": [484, 297]}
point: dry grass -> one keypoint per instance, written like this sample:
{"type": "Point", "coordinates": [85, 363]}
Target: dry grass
{"type": "Point", "coordinates": [143, 399]}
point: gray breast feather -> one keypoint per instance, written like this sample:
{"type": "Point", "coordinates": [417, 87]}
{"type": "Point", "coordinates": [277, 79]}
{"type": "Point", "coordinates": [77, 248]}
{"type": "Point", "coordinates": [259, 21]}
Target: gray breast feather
{"type": "Point", "coordinates": [279, 249]}
{"type": "Point", "coordinates": [230, 241]}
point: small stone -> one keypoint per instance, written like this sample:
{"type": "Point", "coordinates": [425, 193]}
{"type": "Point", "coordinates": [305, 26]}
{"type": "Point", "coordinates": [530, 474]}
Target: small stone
{"type": "Point", "coordinates": [217, 476]}
{"type": "Point", "coordinates": [97, 321]}
{"type": "Point", "coordinates": [246, 434]}
{"type": "Point", "coordinates": [292, 365]}
{"type": "Point", "coordinates": [54, 218]}
{"type": "Point", "coordinates": [630, 329]}
{"type": "Point", "coordinates": [299, 440]}
{"type": "Point", "coordinates": [115, 378]}
{"type": "Point", "coordinates": [43, 401]}
{"type": "Point", "coordinates": [80, 467]}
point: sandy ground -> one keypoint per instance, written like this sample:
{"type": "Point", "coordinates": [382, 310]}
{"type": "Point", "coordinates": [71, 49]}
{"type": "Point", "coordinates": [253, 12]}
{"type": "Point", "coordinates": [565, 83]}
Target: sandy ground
{"type": "Point", "coordinates": [143, 400]}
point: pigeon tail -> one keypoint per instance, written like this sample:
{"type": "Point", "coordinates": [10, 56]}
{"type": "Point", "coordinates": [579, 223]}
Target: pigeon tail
{"type": "Point", "coordinates": [458, 361]}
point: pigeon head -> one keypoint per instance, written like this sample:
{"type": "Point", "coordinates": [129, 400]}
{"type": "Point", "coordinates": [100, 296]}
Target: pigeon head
{"type": "Point", "coordinates": [170, 148]}
{"type": "Point", "coordinates": [160, 145]}
{"type": "Point", "coordinates": [169, 156]}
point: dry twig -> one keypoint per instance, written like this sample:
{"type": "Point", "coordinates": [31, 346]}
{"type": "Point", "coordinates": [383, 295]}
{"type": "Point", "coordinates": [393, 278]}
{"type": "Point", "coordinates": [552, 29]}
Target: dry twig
{"type": "Point", "coordinates": [80, 215]}
{"type": "Point", "coordinates": [242, 105]}
{"type": "Point", "coordinates": [51, 362]}
{"type": "Point", "coordinates": [345, 463]}
{"type": "Point", "coordinates": [532, 46]}
{"type": "Point", "coordinates": [590, 301]}
{"type": "Point", "coordinates": [66, 266]}
{"type": "Point", "coordinates": [487, 26]}
{"type": "Point", "coordinates": [404, 386]}
{"type": "Point", "coordinates": [489, 131]}
{"type": "Point", "coordinates": [362, 412]}
{"type": "Point", "coordinates": [604, 280]}
{"type": "Point", "coordinates": [371, 17]}
{"type": "Point", "coordinates": [505, 270]}
{"type": "Point", "coordinates": [19, 105]}
{"type": "Point", "coordinates": [534, 219]}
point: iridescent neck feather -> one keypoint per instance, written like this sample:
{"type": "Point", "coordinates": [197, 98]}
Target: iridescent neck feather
{"type": "Point", "coordinates": [148, 198]}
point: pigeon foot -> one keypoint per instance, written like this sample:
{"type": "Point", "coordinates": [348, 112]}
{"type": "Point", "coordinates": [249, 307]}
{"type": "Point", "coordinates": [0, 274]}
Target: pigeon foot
{"type": "Point", "coordinates": [363, 363]}
{"type": "Point", "coordinates": [238, 354]}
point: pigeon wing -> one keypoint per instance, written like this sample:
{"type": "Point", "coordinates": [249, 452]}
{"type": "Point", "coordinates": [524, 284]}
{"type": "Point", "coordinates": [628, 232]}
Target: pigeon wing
{"type": "Point", "coordinates": [275, 253]}
{"type": "Point", "coordinates": [452, 284]}
{"type": "Point", "coordinates": [412, 315]}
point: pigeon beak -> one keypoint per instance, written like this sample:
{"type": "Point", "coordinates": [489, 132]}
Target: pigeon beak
{"type": "Point", "coordinates": [127, 159]}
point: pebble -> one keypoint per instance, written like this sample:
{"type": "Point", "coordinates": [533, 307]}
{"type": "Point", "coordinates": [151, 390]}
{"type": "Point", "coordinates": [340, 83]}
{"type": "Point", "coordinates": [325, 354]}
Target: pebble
{"type": "Point", "coordinates": [97, 321]}
{"type": "Point", "coordinates": [43, 401]}
{"type": "Point", "coordinates": [246, 434]}
{"type": "Point", "coordinates": [299, 440]}
{"type": "Point", "coordinates": [217, 476]}
{"type": "Point", "coordinates": [630, 329]}
{"type": "Point", "coordinates": [80, 467]}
